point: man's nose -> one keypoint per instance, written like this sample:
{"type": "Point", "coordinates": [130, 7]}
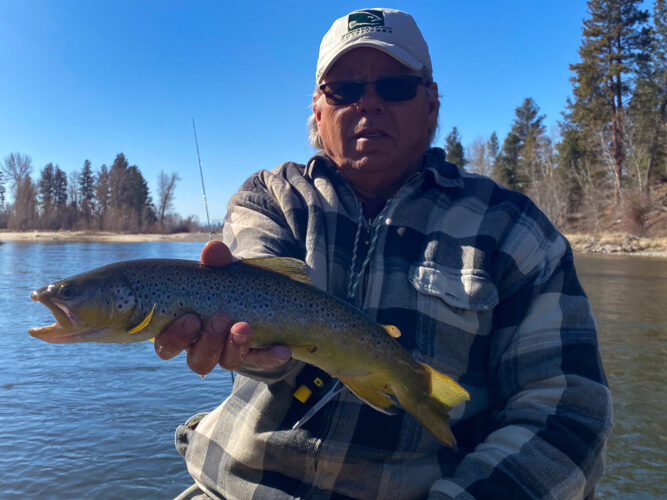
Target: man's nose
{"type": "Point", "coordinates": [370, 101]}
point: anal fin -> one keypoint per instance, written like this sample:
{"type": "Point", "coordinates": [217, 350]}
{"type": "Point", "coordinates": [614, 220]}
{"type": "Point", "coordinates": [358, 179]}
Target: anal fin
{"type": "Point", "coordinates": [373, 390]}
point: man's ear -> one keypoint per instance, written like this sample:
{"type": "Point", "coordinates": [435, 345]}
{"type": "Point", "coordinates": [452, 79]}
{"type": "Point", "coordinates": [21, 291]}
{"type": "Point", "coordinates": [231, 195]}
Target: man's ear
{"type": "Point", "coordinates": [434, 99]}
{"type": "Point", "coordinates": [317, 110]}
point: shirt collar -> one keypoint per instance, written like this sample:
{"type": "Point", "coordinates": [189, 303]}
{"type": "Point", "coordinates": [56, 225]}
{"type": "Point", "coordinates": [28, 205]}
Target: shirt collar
{"type": "Point", "coordinates": [320, 160]}
{"type": "Point", "coordinates": [445, 174]}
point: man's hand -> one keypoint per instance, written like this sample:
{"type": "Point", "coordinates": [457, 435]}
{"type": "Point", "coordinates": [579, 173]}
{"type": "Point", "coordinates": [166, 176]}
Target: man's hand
{"type": "Point", "coordinates": [220, 341]}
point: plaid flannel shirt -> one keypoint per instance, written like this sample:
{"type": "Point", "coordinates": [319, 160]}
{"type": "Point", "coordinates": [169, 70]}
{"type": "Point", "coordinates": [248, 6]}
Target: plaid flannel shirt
{"type": "Point", "coordinates": [482, 287]}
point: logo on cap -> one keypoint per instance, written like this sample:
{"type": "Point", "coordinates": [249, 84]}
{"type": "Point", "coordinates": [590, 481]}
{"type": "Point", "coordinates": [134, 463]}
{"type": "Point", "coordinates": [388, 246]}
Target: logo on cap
{"type": "Point", "coordinates": [365, 18]}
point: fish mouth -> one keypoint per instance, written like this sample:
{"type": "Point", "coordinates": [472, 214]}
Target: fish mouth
{"type": "Point", "coordinates": [66, 328]}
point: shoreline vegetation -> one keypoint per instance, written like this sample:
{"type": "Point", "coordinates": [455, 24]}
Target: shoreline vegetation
{"type": "Point", "coordinates": [606, 243]}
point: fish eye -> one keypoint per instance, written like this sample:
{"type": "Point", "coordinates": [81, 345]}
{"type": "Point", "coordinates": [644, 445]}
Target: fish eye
{"type": "Point", "coordinates": [67, 291]}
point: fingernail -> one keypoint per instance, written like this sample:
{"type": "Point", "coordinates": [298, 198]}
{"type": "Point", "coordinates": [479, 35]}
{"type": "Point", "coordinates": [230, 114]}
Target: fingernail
{"type": "Point", "coordinates": [190, 325]}
{"type": "Point", "coordinates": [238, 337]}
{"type": "Point", "coordinates": [282, 353]}
{"type": "Point", "coordinates": [219, 325]}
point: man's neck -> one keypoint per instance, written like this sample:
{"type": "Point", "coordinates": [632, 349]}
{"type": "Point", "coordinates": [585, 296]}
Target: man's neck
{"type": "Point", "coordinates": [373, 207]}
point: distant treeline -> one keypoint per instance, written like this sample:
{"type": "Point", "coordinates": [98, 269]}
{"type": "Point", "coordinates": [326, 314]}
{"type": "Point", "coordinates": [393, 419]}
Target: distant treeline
{"type": "Point", "coordinates": [608, 163]}
{"type": "Point", "coordinates": [114, 198]}
{"type": "Point", "coordinates": [610, 159]}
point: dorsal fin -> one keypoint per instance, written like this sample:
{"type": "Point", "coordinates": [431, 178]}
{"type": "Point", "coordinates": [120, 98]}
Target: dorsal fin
{"type": "Point", "coordinates": [392, 330]}
{"type": "Point", "coordinates": [144, 322]}
{"type": "Point", "coordinates": [292, 268]}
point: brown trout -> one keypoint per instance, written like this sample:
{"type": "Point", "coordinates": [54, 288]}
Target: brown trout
{"type": "Point", "coordinates": [134, 301]}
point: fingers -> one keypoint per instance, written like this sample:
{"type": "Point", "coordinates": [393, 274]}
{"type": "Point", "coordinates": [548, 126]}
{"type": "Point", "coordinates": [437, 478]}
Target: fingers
{"type": "Point", "coordinates": [215, 254]}
{"type": "Point", "coordinates": [205, 353]}
{"type": "Point", "coordinates": [236, 346]}
{"type": "Point", "coordinates": [268, 359]}
{"type": "Point", "coordinates": [220, 342]}
{"type": "Point", "coordinates": [178, 336]}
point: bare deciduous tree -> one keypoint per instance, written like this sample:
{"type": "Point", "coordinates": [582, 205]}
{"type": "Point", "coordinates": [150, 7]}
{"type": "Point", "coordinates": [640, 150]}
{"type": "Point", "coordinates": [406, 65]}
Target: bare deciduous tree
{"type": "Point", "coordinates": [17, 167]}
{"type": "Point", "coordinates": [166, 189]}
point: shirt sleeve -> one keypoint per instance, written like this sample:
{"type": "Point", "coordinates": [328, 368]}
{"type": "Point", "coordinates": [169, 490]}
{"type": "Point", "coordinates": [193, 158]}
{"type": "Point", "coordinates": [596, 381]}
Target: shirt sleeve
{"type": "Point", "coordinates": [261, 221]}
{"type": "Point", "coordinates": [548, 391]}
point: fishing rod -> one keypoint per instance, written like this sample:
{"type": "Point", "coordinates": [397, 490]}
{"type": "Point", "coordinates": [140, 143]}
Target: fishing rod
{"type": "Point", "coordinates": [203, 191]}
{"type": "Point", "coordinates": [201, 175]}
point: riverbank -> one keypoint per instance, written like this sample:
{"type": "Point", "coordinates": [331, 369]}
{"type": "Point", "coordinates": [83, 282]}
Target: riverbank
{"type": "Point", "coordinates": [610, 243]}
{"type": "Point", "coordinates": [619, 243]}
{"type": "Point", "coordinates": [95, 236]}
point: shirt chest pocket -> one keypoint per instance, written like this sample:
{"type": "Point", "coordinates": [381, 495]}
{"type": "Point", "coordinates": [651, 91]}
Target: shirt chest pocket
{"type": "Point", "coordinates": [455, 298]}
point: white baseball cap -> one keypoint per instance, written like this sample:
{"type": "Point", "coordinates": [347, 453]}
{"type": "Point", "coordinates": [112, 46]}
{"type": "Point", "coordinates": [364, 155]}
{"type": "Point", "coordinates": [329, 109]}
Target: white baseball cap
{"type": "Point", "coordinates": [391, 31]}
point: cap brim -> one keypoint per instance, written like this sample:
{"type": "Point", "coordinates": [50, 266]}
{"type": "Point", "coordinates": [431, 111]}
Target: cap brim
{"type": "Point", "coordinates": [402, 56]}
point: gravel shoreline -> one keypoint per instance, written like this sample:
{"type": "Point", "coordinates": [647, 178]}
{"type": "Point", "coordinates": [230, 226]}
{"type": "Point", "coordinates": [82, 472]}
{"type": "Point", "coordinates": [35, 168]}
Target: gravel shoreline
{"type": "Point", "coordinates": [96, 236]}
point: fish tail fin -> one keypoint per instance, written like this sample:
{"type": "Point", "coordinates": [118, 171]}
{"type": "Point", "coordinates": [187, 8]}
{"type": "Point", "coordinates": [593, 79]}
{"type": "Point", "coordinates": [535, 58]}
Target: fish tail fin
{"type": "Point", "coordinates": [431, 405]}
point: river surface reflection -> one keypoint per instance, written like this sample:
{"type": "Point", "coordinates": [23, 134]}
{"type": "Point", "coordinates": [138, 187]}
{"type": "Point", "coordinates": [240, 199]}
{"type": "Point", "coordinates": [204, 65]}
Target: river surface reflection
{"type": "Point", "coordinates": [95, 421]}
{"type": "Point", "coordinates": [629, 298]}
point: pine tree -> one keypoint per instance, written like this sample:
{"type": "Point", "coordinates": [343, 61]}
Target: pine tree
{"type": "Point", "coordinates": [87, 182]}
{"type": "Point", "coordinates": [492, 147]}
{"type": "Point", "coordinates": [648, 106]}
{"type": "Point", "coordinates": [454, 148]}
{"type": "Point", "coordinates": [134, 190]}
{"type": "Point", "coordinates": [87, 192]}
{"type": "Point", "coordinates": [507, 164]}
{"type": "Point", "coordinates": [520, 157]}
{"type": "Point", "coordinates": [45, 188]}
{"type": "Point", "coordinates": [59, 188]}
{"type": "Point", "coordinates": [614, 36]}
{"type": "Point", "coordinates": [529, 128]}
{"type": "Point", "coordinates": [116, 179]}
{"type": "Point", "coordinates": [102, 196]}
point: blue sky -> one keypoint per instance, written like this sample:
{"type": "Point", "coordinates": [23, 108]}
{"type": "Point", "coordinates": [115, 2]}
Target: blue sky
{"type": "Point", "coordinates": [89, 79]}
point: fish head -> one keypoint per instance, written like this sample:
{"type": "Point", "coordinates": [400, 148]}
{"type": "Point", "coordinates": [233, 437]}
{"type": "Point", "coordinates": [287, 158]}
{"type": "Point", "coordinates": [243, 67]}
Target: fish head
{"type": "Point", "coordinates": [91, 307]}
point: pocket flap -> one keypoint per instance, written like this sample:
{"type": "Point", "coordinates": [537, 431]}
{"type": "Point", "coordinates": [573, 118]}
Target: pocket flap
{"type": "Point", "coordinates": [461, 288]}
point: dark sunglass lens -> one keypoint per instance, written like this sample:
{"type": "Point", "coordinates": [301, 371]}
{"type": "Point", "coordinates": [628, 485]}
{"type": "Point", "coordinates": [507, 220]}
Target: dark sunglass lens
{"type": "Point", "coordinates": [399, 88]}
{"type": "Point", "coordinates": [345, 92]}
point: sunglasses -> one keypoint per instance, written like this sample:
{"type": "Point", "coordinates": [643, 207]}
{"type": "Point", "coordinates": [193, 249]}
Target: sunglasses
{"type": "Point", "coordinates": [391, 89]}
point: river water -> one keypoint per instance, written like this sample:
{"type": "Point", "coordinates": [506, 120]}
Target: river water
{"type": "Point", "coordinates": [97, 421]}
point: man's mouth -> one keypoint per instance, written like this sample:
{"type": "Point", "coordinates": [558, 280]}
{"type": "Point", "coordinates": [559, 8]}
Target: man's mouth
{"type": "Point", "coordinates": [369, 134]}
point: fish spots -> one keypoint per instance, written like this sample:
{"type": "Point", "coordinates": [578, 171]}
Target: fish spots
{"type": "Point", "coordinates": [122, 298]}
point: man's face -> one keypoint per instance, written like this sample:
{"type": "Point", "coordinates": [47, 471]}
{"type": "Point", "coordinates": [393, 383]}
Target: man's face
{"type": "Point", "coordinates": [375, 143]}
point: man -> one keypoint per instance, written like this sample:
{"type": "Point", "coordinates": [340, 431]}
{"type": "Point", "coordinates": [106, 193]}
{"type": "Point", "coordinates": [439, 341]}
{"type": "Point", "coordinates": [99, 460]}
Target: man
{"type": "Point", "coordinates": [481, 285]}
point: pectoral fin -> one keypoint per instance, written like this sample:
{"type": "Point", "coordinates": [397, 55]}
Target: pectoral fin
{"type": "Point", "coordinates": [144, 322]}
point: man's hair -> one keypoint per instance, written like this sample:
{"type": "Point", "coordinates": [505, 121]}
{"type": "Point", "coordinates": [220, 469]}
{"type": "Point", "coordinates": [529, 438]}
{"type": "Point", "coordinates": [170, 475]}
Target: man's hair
{"type": "Point", "coordinates": [314, 134]}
